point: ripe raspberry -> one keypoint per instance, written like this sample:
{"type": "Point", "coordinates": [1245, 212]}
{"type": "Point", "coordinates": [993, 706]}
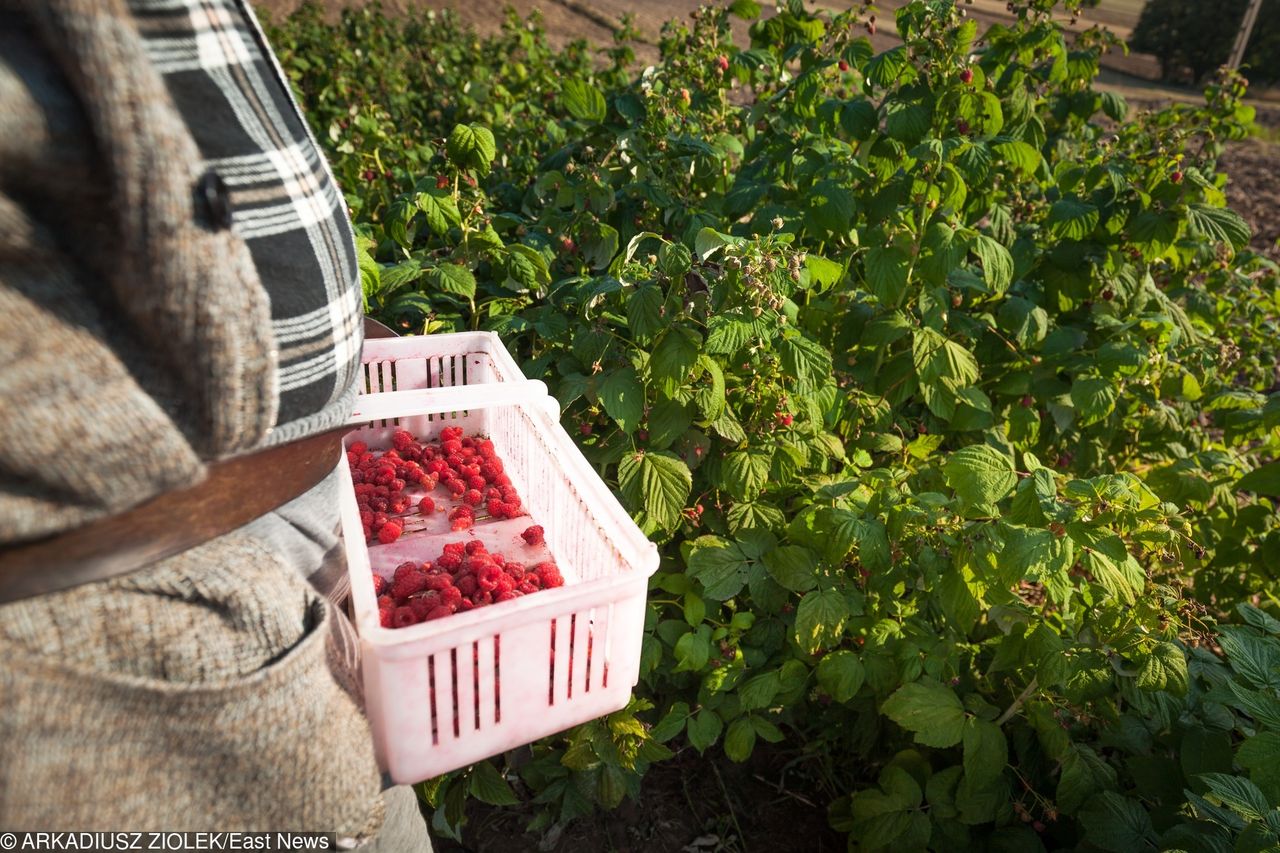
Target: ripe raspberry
{"type": "Point", "coordinates": [451, 447]}
{"type": "Point", "coordinates": [389, 532]}
{"type": "Point", "coordinates": [515, 571]}
{"type": "Point", "coordinates": [528, 585]}
{"type": "Point", "coordinates": [451, 596]}
{"type": "Point", "coordinates": [456, 548]}
{"type": "Point", "coordinates": [398, 505]}
{"type": "Point", "coordinates": [379, 585]}
{"type": "Point", "coordinates": [488, 576]}
{"type": "Point", "coordinates": [482, 598]}
{"type": "Point", "coordinates": [549, 575]}
{"type": "Point", "coordinates": [465, 605]}
{"type": "Point", "coordinates": [502, 481]}
{"type": "Point", "coordinates": [461, 518]}
{"type": "Point", "coordinates": [505, 595]}
{"type": "Point", "coordinates": [466, 584]}
{"type": "Point", "coordinates": [475, 546]}
{"type": "Point", "coordinates": [450, 433]}
{"type": "Point", "coordinates": [505, 584]}
{"type": "Point", "coordinates": [426, 506]}
{"type": "Point", "coordinates": [378, 504]}
{"type": "Point", "coordinates": [366, 517]}
{"type": "Point", "coordinates": [456, 486]}
{"type": "Point", "coordinates": [449, 562]}
{"type": "Point", "coordinates": [396, 485]}
{"type": "Point", "coordinates": [473, 497]}
{"type": "Point", "coordinates": [490, 470]}
{"type": "Point", "coordinates": [439, 612]}
{"type": "Point", "coordinates": [844, 66]}
{"type": "Point", "coordinates": [475, 481]}
{"type": "Point", "coordinates": [722, 62]}
{"type": "Point", "coordinates": [408, 579]}
{"type": "Point", "coordinates": [584, 428]}
{"type": "Point", "coordinates": [442, 182]}
{"type": "Point", "coordinates": [359, 448]}
{"type": "Point", "coordinates": [386, 615]}
{"type": "Point", "coordinates": [1177, 176]}
{"type": "Point", "coordinates": [403, 617]}
{"type": "Point", "coordinates": [421, 607]}
{"type": "Point", "coordinates": [439, 582]}
{"type": "Point", "coordinates": [534, 535]}
{"type": "Point", "coordinates": [496, 508]}
{"type": "Point", "coordinates": [401, 438]}
{"type": "Point", "coordinates": [966, 76]}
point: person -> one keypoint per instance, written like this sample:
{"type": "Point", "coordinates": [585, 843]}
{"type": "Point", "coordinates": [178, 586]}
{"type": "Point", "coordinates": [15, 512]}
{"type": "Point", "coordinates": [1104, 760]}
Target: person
{"type": "Point", "coordinates": [180, 331]}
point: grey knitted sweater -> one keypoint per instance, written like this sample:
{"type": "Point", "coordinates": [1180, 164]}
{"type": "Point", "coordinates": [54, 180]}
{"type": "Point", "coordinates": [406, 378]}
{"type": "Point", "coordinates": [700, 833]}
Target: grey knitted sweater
{"type": "Point", "coordinates": [135, 346]}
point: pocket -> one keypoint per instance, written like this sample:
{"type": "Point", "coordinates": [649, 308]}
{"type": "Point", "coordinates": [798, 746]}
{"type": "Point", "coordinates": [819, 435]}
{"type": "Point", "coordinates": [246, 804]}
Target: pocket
{"type": "Point", "coordinates": [266, 740]}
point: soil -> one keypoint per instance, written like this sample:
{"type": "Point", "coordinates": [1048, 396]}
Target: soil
{"type": "Point", "coordinates": [689, 805]}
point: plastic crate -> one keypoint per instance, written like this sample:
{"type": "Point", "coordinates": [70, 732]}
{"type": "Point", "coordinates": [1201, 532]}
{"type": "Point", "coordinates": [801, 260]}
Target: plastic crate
{"type": "Point", "coordinates": [522, 669]}
{"type": "Point", "coordinates": [435, 361]}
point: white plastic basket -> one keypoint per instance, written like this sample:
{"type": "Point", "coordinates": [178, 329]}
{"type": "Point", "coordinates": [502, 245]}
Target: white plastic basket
{"type": "Point", "coordinates": [435, 361]}
{"type": "Point", "coordinates": [522, 669]}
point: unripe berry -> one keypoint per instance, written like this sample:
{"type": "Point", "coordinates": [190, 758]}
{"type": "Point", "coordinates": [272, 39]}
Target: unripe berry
{"type": "Point", "coordinates": [1177, 176]}
{"type": "Point", "coordinates": [1028, 401]}
{"type": "Point", "coordinates": [722, 62]}
{"type": "Point", "coordinates": [585, 429]}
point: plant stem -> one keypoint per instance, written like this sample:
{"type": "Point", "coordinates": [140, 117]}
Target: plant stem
{"type": "Point", "coordinates": [1017, 703]}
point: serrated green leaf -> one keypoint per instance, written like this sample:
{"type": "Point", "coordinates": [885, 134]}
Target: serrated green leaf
{"type": "Point", "coordinates": [658, 483]}
{"type": "Point", "coordinates": [487, 785]}
{"type": "Point", "coordinates": [622, 395]}
{"type": "Point", "coordinates": [841, 674]}
{"type": "Point", "coordinates": [980, 475]}
{"type": "Point", "coordinates": [583, 100]}
{"type": "Point", "coordinates": [704, 729]}
{"type": "Point", "coordinates": [928, 709]}
{"type": "Point", "coordinates": [820, 619]}
{"type": "Point", "coordinates": [1072, 218]}
{"type": "Point", "coordinates": [793, 567]}
{"type": "Point", "coordinates": [471, 146]}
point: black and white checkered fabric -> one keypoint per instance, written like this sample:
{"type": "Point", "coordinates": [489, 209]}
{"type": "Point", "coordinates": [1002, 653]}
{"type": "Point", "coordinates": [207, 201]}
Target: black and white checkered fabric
{"type": "Point", "coordinates": [229, 88]}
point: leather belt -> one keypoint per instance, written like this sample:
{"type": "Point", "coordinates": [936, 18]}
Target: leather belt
{"type": "Point", "coordinates": [235, 492]}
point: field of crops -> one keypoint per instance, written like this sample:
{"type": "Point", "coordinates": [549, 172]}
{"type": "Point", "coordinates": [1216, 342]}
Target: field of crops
{"type": "Point", "coordinates": [944, 380]}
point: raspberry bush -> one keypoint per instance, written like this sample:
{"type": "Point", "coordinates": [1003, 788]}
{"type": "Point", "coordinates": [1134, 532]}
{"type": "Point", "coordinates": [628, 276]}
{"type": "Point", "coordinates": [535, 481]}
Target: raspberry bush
{"type": "Point", "coordinates": [944, 380]}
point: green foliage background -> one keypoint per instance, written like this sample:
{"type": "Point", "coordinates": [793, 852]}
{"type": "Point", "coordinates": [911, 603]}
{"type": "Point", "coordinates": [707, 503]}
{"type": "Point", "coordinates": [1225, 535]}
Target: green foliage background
{"type": "Point", "coordinates": [944, 380]}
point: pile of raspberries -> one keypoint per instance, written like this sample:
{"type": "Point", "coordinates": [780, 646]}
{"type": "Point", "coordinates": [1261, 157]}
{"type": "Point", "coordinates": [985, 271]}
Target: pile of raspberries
{"type": "Point", "coordinates": [465, 465]}
{"type": "Point", "coordinates": [464, 577]}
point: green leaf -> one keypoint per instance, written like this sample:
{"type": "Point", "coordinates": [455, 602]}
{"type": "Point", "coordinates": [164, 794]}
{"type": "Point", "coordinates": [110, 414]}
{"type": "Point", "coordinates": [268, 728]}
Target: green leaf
{"type": "Point", "coordinates": [1258, 756]}
{"type": "Point", "coordinates": [1094, 398]}
{"type": "Point", "coordinates": [1019, 154]}
{"type": "Point", "coordinates": [583, 100]}
{"type": "Point", "coordinates": [527, 267]}
{"type": "Point", "coordinates": [1256, 659]}
{"type": "Point", "coordinates": [997, 263]}
{"type": "Point", "coordinates": [1265, 479]}
{"type": "Point", "coordinates": [841, 674]}
{"type": "Point", "coordinates": [668, 420]}
{"type": "Point", "coordinates": [806, 361]}
{"type": "Point", "coordinates": [704, 729]}
{"type": "Point", "coordinates": [671, 724]}
{"type": "Point", "coordinates": [1072, 219]}
{"type": "Point", "coordinates": [907, 121]}
{"type": "Point", "coordinates": [727, 333]}
{"type": "Point", "coordinates": [748, 10]}
{"type": "Point", "coordinates": [1164, 669]}
{"type": "Point", "coordinates": [622, 396]}
{"type": "Point", "coordinates": [657, 482]}
{"type": "Point", "coordinates": [488, 786]}
{"type": "Point", "coordinates": [759, 691]}
{"type": "Point", "coordinates": [1116, 823]}
{"type": "Point", "coordinates": [692, 651]}
{"type": "Point", "coordinates": [980, 475]}
{"type": "Point", "coordinates": [986, 752]}
{"type": "Point", "coordinates": [820, 619]}
{"type": "Point", "coordinates": [453, 278]}
{"type": "Point", "coordinates": [674, 357]}
{"type": "Point", "coordinates": [793, 567]}
{"type": "Point", "coordinates": [746, 472]}
{"type": "Point", "coordinates": [439, 210]}
{"type": "Point", "coordinates": [937, 358]}
{"type": "Point", "coordinates": [930, 710]}
{"type": "Point", "coordinates": [1239, 795]}
{"type": "Point", "coordinates": [644, 313]}
{"type": "Point", "coordinates": [471, 146]}
{"type": "Point", "coordinates": [720, 565]}
{"type": "Point", "coordinates": [1220, 224]}
{"type": "Point", "coordinates": [740, 740]}
{"type": "Point", "coordinates": [1083, 775]}
{"type": "Point", "coordinates": [886, 271]}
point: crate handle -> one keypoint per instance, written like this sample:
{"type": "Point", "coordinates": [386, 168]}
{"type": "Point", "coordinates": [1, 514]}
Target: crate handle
{"type": "Point", "coordinates": [388, 405]}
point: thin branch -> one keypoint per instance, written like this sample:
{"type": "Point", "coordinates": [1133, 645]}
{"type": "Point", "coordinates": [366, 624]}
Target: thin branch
{"type": "Point", "coordinates": [1017, 703]}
